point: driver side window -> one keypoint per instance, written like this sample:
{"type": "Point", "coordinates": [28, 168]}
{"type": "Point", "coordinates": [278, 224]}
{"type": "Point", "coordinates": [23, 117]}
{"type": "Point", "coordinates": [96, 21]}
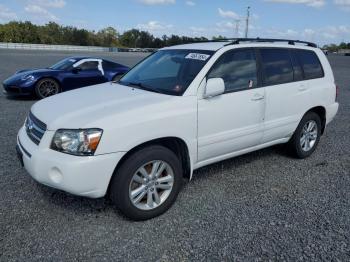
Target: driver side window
{"type": "Point", "coordinates": [89, 65]}
{"type": "Point", "coordinates": [237, 68]}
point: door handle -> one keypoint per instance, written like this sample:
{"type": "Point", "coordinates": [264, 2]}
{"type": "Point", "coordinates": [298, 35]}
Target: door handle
{"type": "Point", "coordinates": [258, 97]}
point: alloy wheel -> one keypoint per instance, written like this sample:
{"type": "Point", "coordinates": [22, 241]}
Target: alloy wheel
{"type": "Point", "coordinates": [48, 88]}
{"type": "Point", "coordinates": [308, 135]}
{"type": "Point", "coordinates": [151, 185]}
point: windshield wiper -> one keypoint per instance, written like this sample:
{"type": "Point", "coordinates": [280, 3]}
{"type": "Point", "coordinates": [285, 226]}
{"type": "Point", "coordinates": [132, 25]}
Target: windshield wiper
{"type": "Point", "coordinates": [141, 86]}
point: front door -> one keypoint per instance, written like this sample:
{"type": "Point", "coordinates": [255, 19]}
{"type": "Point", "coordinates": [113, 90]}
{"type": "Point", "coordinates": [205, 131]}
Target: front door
{"type": "Point", "coordinates": [232, 121]}
{"type": "Point", "coordinates": [85, 74]}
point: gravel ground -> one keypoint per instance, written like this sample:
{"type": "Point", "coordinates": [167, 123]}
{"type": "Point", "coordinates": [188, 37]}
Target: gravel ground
{"type": "Point", "coordinates": [260, 206]}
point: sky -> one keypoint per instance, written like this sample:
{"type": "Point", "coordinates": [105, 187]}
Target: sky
{"type": "Point", "coordinates": [320, 21]}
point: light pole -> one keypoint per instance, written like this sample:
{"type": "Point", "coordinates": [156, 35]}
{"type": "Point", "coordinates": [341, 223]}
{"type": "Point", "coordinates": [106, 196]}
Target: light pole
{"type": "Point", "coordinates": [247, 22]}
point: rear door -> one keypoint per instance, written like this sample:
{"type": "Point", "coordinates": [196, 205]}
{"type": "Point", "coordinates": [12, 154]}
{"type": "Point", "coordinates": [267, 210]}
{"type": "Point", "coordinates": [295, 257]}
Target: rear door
{"type": "Point", "coordinates": [286, 92]}
{"type": "Point", "coordinates": [319, 88]}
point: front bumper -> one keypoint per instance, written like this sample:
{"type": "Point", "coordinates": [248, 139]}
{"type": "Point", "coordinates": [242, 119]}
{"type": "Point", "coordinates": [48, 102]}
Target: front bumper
{"type": "Point", "coordinates": [15, 90]}
{"type": "Point", "coordinates": [16, 86]}
{"type": "Point", "coordinates": [84, 176]}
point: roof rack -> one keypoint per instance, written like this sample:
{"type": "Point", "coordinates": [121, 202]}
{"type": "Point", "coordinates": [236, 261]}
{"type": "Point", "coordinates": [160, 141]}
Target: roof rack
{"type": "Point", "coordinates": [235, 41]}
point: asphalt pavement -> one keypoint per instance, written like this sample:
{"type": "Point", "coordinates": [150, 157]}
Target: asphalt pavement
{"type": "Point", "coordinates": [261, 206]}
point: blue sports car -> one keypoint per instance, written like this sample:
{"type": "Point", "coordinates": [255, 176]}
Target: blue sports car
{"type": "Point", "coordinates": [68, 74]}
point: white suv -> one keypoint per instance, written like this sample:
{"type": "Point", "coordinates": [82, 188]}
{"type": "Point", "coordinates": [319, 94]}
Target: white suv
{"type": "Point", "coordinates": [179, 109]}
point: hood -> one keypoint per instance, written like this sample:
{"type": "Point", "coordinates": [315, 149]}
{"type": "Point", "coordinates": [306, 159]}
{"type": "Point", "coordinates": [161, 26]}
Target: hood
{"type": "Point", "coordinates": [35, 72]}
{"type": "Point", "coordinates": [24, 70]}
{"type": "Point", "coordinates": [88, 107]}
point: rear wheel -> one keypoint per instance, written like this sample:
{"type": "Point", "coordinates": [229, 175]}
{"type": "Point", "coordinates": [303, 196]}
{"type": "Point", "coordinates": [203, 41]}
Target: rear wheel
{"type": "Point", "coordinates": [47, 87]}
{"type": "Point", "coordinates": [147, 183]}
{"type": "Point", "coordinates": [307, 135]}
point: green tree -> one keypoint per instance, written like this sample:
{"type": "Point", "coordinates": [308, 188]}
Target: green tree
{"type": "Point", "coordinates": [343, 45]}
{"type": "Point", "coordinates": [145, 40]}
{"type": "Point", "coordinates": [174, 40]}
{"type": "Point", "coordinates": [108, 37]}
{"type": "Point", "coordinates": [53, 33]}
{"type": "Point", "coordinates": [130, 37]}
{"type": "Point", "coordinates": [157, 43]}
{"type": "Point", "coordinates": [218, 37]}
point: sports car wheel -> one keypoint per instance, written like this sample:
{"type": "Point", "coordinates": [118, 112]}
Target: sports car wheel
{"type": "Point", "coordinates": [46, 87]}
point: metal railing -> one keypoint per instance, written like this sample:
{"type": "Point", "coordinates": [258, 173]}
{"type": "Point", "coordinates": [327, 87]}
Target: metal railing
{"type": "Point", "coordinates": [71, 48]}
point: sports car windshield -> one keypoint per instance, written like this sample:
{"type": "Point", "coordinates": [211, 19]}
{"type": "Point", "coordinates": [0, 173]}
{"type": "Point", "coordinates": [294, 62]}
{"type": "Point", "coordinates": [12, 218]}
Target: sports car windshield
{"type": "Point", "coordinates": [64, 64]}
{"type": "Point", "coordinates": [167, 71]}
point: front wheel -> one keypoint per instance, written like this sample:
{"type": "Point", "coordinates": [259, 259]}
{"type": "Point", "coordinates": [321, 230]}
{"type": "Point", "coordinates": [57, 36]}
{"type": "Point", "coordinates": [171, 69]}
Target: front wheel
{"type": "Point", "coordinates": [306, 136]}
{"type": "Point", "coordinates": [46, 87]}
{"type": "Point", "coordinates": [147, 183]}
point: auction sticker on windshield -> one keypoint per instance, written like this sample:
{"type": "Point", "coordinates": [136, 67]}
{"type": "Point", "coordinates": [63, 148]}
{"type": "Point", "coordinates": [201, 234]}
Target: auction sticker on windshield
{"type": "Point", "coordinates": [197, 56]}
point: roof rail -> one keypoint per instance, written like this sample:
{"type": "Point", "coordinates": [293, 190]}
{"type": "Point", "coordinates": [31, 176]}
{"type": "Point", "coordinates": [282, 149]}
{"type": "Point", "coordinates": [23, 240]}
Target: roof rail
{"type": "Point", "coordinates": [235, 41]}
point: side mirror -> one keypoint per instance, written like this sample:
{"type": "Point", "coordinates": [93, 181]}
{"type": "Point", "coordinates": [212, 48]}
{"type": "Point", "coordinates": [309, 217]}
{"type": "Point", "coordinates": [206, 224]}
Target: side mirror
{"type": "Point", "coordinates": [76, 70]}
{"type": "Point", "coordinates": [214, 87]}
{"type": "Point", "coordinates": [117, 78]}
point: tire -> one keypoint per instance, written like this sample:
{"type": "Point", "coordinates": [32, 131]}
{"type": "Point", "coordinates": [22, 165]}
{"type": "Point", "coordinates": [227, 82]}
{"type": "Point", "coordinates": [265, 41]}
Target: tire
{"type": "Point", "coordinates": [47, 87]}
{"type": "Point", "coordinates": [301, 138]}
{"type": "Point", "coordinates": [124, 183]}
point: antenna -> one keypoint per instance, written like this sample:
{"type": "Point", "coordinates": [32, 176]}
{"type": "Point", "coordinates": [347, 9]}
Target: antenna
{"type": "Point", "coordinates": [247, 22]}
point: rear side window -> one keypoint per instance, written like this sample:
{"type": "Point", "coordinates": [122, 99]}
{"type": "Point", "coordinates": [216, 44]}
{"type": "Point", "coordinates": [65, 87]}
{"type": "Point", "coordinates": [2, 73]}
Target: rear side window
{"type": "Point", "coordinates": [310, 63]}
{"type": "Point", "coordinates": [277, 66]}
{"type": "Point", "coordinates": [237, 68]}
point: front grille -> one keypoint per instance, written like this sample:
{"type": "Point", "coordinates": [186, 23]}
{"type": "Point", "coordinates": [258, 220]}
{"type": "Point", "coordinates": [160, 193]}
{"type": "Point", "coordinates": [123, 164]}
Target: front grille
{"type": "Point", "coordinates": [35, 128]}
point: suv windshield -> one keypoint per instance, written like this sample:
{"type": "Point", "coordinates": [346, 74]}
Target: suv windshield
{"type": "Point", "coordinates": [167, 71]}
{"type": "Point", "coordinates": [64, 64]}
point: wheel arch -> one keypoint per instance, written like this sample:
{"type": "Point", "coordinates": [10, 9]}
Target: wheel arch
{"type": "Point", "coordinates": [175, 144]}
{"type": "Point", "coordinates": [321, 112]}
{"type": "Point", "coordinates": [49, 77]}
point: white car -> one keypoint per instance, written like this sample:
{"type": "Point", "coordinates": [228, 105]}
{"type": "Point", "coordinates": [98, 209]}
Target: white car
{"type": "Point", "coordinates": [182, 108]}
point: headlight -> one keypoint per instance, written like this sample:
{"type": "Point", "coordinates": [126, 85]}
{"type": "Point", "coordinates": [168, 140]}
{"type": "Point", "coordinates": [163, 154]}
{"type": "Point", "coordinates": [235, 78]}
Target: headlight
{"type": "Point", "coordinates": [27, 77]}
{"type": "Point", "coordinates": [80, 142]}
